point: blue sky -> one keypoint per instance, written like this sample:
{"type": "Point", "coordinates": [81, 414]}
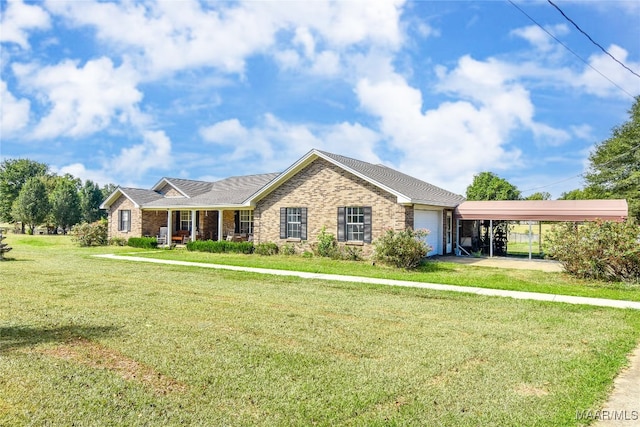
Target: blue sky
{"type": "Point", "coordinates": [128, 92]}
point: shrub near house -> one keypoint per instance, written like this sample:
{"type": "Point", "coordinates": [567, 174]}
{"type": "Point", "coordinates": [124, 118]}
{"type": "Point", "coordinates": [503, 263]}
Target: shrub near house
{"type": "Point", "coordinates": [603, 250]}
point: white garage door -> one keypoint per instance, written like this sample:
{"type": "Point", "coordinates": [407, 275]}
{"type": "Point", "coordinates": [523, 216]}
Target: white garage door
{"type": "Point", "coordinates": [431, 220]}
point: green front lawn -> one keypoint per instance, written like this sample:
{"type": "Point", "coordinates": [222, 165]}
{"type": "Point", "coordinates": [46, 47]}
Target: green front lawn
{"type": "Point", "coordinates": [433, 272]}
{"type": "Point", "coordinates": [89, 341]}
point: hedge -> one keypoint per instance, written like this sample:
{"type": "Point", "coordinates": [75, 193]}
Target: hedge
{"type": "Point", "coordinates": [222, 246]}
{"type": "Point", "coordinates": [143, 242]}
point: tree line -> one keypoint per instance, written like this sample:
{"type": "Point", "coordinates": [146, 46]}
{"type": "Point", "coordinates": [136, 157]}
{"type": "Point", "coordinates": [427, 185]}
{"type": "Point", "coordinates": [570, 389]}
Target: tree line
{"type": "Point", "coordinates": [30, 194]}
{"type": "Point", "coordinates": [613, 172]}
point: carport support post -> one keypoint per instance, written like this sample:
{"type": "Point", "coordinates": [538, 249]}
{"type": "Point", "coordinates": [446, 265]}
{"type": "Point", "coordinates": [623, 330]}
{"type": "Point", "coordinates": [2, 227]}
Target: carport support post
{"type": "Point", "coordinates": [530, 238]}
{"type": "Point", "coordinates": [457, 237]}
{"type": "Point", "coordinates": [491, 238]}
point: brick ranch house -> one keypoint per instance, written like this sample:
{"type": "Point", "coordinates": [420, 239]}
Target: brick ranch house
{"type": "Point", "coordinates": [354, 200]}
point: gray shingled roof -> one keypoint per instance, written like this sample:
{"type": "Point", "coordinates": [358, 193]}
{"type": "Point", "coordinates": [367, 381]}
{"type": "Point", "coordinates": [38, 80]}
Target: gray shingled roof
{"type": "Point", "coordinates": [190, 187]}
{"type": "Point", "coordinates": [237, 190]}
{"type": "Point", "coordinates": [140, 196]}
{"type": "Point", "coordinates": [230, 191]}
{"type": "Point", "coordinates": [417, 190]}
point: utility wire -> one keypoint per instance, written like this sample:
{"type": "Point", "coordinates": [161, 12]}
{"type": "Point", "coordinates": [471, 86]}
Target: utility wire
{"type": "Point", "coordinates": [624, 153]}
{"type": "Point", "coordinates": [591, 40]}
{"type": "Point", "coordinates": [569, 49]}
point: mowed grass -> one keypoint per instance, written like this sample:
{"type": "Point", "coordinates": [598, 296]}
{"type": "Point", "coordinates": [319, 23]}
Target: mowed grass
{"type": "Point", "coordinates": [432, 272]}
{"type": "Point", "coordinates": [89, 341]}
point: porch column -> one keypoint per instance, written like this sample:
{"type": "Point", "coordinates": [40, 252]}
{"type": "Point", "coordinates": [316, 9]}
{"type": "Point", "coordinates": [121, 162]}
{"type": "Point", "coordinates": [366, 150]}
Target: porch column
{"type": "Point", "coordinates": [193, 225]}
{"type": "Point", "coordinates": [491, 238]}
{"type": "Point", "coordinates": [220, 231]}
{"type": "Point", "coordinates": [169, 227]}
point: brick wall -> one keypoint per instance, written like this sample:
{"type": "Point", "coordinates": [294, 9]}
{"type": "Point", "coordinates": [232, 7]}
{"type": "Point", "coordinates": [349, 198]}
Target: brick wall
{"type": "Point", "coordinates": [152, 221]}
{"type": "Point", "coordinates": [321, 187]}
{"type": "Point", "coordinates": [124, 203]}
{"type": "Point", "coordinates": [168, 191]}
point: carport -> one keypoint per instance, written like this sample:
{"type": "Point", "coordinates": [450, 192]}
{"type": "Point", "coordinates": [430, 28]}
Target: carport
{"type": "Point", "coordinates": [484, 213]}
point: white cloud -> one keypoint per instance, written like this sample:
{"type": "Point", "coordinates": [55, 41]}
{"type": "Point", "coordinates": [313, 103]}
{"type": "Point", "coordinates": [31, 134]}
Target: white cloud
{"type": "Point", "coordinates": [275, 144]}
{"type": "Point", "coordinates": [79, 170]}
{"type": "Point", "coordinates": [595, 83]}
{"type": "Point", "coordinates": [448, 144]}
{"type": "Point", "coordinates": [169, 36]}
{"type": "Point", "coordinates": [154, 152]}
{"type": "Point", "coordinates": [14, 112]}
{"type": "Point", "coordinates": [538, 38]}
{"type": "Point", "coordinates": [18, 19]}
{"type": "Point", "coordinates": [82, 99]}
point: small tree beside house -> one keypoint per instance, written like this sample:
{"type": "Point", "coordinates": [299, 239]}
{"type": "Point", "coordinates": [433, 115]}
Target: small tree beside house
{"type": "Point", "coordinates": [4, 248]}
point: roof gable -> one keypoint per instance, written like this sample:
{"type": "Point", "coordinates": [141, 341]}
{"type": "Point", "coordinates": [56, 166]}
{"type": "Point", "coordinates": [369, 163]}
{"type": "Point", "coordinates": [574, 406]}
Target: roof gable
{"type": "Point", "coordinates": [407, 189]}
{"type": "Point", "coordinates": [138, 196]}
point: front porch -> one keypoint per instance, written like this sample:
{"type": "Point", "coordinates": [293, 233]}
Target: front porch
{"type": "Point", "coordinates": [182, 226]}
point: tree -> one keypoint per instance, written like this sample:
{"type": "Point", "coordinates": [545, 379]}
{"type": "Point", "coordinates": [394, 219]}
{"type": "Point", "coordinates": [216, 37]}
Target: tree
{"type": "Point", "coordinates": [580, 194]}
{"type": "Point", "coordinates": [489, 186]}
{"type": "Point", "coordinates": [65, 204]}
{"type": "Point", "coordinates": [614, 170]}
{"type": "Point", "coordinates": [539, 196]}
{"type": "Point", "coordinates": [14, 173]}
{"type": "Point", "coordinates": [90, 199]}
{"type": "Point", "coordinates": [32, 205]}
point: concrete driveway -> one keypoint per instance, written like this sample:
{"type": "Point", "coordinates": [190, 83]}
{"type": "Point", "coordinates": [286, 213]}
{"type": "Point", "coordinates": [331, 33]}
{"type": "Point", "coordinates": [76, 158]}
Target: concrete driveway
{"type": "Point", "coordinates": [506, 262]}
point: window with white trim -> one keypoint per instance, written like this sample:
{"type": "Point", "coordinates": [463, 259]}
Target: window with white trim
{"type": "Point", "coordinates": [294, 223]}
{"type": "Point", "coordinates": [124, 220]}
{"type": "Point", "coordinates": [355, 224]}
{"type": "Point", "coordinates": [246, 221]}
{"type": "Point", "coordinates": [185, 220]}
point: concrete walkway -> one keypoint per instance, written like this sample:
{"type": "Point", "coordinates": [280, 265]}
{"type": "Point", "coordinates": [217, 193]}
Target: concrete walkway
{"type": "Point", "coordinates": [599, 302]}
{"type": "Point", "coordinates": [623, 406]}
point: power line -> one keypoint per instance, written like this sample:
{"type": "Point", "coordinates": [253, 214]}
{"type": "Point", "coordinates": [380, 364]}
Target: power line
{"type": "Point", "coordinates": [569, 49]}
{"type": "Point", "coordinates": [591, 40]}
{"type": "Point", "coordinates": [582, 174]}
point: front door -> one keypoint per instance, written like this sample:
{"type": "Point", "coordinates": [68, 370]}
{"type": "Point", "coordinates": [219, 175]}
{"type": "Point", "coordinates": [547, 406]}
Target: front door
{"type": "Point", "coordinates": [449, 232]}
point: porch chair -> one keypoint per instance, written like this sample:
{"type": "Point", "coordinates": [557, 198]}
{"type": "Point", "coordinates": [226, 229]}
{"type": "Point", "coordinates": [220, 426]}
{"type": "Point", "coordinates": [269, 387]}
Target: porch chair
{"type": "Point", "coordinates": [162, 237]}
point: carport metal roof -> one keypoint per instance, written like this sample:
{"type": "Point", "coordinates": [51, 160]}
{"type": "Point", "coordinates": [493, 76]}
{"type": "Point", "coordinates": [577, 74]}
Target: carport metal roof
{"type": "Point", "coordinates": [543, 210]}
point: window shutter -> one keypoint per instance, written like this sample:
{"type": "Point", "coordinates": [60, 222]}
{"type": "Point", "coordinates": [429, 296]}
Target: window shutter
{"type": "Point", "coordinates": [129, 221]}
{"type": "Point", "coordinates": [303, 223]}
{"type": "Point", "coordinates": [367, 224]}
{"type": "Point", "coordinates": [283, 223]}
{"type": "Point", "coordinates": [178, 225]}
{"type": "Point", "coordinates": [197, 224]}
{"type": "Point", "coordinates": [119, 220]}
{"type": "Point", "coordinates": [341, 223]}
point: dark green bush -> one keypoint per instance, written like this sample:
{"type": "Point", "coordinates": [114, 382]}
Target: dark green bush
{"type": "Point", "coordinates": [602, 250]}
{"type": "Point", "coordinates": [143, 242]}
{"type": "Point", "coordinates": [266, 248]}
{"type": "Point", "coordinates": [288, 249]}
{"type": "Point", "coordinates": [402, 249]}
{"type": "Point", "coordinates": [118, 241]}
{"type": "Point", "coordinates": [327, 245]}
{"type": "Point", "coordinates": [221, 246]}
{"type": "Point", "coordinates": [94, 234]}
{"type": "Point", "coordinates": [352, 253]}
